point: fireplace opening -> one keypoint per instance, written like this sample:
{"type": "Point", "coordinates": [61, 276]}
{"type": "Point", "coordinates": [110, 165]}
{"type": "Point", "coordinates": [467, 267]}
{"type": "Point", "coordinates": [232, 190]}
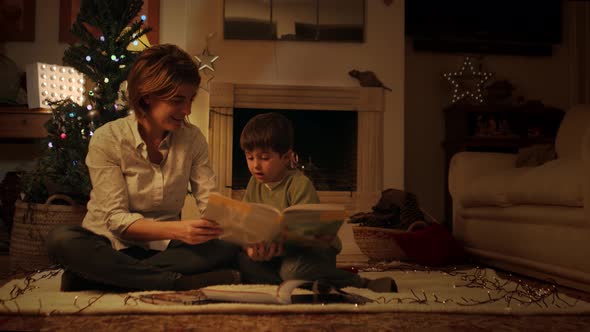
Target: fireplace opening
{"type": "Point", "coordinates": [325, 141]}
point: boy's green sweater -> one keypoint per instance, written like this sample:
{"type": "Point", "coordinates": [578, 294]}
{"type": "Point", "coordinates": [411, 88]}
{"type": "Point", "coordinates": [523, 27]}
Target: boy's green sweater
{"type": "Point", "coordinates": [295, 188]}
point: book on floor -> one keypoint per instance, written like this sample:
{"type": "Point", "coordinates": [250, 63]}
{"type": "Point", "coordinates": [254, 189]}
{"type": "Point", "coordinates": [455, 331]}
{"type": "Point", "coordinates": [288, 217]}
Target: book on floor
{"type": "Point", "coordinates": [246, 223]}
{"type": "Point", "coordinates": [285, 293]}
{"type": "Point", "coordinates": [288, 292]}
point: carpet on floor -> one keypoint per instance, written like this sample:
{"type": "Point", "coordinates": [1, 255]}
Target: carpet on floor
{"type": "Point", "coordinates": [449, 290]}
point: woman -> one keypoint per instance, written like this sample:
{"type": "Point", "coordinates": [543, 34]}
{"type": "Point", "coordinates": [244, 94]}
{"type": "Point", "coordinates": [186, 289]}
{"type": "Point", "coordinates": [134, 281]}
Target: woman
{"type": "Point", "coordinates": [140, 167]}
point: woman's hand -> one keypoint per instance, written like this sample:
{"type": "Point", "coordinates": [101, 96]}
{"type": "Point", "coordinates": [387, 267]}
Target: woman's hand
{"type": "Point", "coordinates": [197, 231]}
{"type": "Point", "coordinates": [264, 251]}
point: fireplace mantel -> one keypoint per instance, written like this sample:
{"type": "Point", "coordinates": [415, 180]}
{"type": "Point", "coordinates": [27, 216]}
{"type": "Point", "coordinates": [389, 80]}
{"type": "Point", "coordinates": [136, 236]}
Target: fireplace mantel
{"type": "Point", "coordinates": [367, 102]}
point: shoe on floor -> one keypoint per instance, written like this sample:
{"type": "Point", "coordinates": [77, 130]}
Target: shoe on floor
{"type": "Point", "coordinates": [218, 277]}
{"type": "Point", "coordinates": [382, 285]}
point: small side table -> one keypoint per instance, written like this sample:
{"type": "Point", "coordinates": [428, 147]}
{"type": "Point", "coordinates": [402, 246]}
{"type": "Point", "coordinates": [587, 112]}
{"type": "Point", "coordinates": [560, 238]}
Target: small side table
{"type": "Point", "coordinates": [23, 123]}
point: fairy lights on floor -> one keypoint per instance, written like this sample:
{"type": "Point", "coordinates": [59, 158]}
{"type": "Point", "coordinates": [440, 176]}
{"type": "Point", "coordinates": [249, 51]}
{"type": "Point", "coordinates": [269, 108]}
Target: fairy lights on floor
{"type": "Point", "coordinates": [511, 293]}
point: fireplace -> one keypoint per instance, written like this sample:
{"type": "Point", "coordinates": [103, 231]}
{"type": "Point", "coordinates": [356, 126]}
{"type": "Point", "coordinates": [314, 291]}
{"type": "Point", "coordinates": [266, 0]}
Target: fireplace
{"type": "Point", "coordinates": [359, 111]}
{"type": "Point", "coordinates": [326, 152]}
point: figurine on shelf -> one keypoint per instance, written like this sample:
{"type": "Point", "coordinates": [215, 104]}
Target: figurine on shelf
{"type": "Point", "coordinates": [492, 128]}
{"type": "Point", "coordinates": [504, 128]}
{"type": "Point", "coordinates": [534, 132]}
{"type": "Point", "coordinates": [499, 92]}
{"type": "Point", "coordinates": [480, 126]}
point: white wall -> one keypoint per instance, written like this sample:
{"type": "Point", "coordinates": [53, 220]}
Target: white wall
{"type": "Point", "coordinates": [543, 78]}
{"type": "Point", "coordinates": [311, 63]}
{"type": "Point", "coordinates": [188, 22]}
{"type": "Point", "coordinates": [45, 48]}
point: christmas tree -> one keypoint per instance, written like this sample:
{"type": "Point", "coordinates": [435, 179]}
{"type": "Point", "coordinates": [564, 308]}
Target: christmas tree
{"type": "Point", "coordinates": [105, 29]}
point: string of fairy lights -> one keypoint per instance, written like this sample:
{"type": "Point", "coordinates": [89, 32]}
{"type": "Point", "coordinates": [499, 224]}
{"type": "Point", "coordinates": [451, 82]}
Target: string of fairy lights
{"type": "Point", "coordinates": [496, 290]}
{"type": "Point", "coordinates": [459, 86]}
{"type": "Point", "coordinates": [54, 86]}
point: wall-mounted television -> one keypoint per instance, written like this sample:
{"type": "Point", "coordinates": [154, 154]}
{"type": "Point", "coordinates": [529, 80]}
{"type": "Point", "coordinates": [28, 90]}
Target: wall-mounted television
{"type": "Point", "coordinates": [521, 27]}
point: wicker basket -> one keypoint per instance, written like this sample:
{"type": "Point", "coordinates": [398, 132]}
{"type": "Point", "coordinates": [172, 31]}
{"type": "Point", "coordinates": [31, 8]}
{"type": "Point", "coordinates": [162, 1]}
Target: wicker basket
{"type": "Point", "coordinates": [379, 243]}
{"type": "Point", "coordinates": [32, 223]}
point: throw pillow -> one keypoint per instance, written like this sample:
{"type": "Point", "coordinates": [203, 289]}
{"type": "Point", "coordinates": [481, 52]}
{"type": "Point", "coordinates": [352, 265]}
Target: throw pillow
{"type": "Point", "coordinates": [535, 155]}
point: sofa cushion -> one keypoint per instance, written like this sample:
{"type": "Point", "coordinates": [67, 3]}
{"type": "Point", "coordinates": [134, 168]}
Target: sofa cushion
{"type": "Point", "coordinates": [544, 215]}
{"type": "Point", "coordinates": [557, 182]}
{"type": "Point", "coordinates": [535, 155]}
{"type": "Point", "coordinates": [574, 125]}
{"type": "Point", "coordinates": [491, 189]}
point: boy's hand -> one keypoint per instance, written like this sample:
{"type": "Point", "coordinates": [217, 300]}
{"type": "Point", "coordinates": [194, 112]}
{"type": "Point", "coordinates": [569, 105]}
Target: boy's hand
{"type": "Point", "coordinates": [263, 251]}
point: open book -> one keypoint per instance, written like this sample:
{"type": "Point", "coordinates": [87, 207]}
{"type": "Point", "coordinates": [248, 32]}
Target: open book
{"type": "Point", "coordinates": [248, 223]}
{"type": "Point", "coordinates": [288, 292]}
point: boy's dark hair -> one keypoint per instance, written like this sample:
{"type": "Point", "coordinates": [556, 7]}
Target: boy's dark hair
{"type": "Point", "coordinates": [268, 131]}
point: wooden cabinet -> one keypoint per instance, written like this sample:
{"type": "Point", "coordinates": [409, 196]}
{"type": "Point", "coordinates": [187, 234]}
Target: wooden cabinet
{"type": "Point", "coordinates": [496, 128]}
{"type": "Point", "coordinates": [23, 123]}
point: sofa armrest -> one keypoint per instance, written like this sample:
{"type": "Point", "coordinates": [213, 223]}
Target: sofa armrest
{"type": "Point", "coordinates": [467, 166]}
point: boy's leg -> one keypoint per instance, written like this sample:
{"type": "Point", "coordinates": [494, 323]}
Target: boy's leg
{"type": "Point", "coordinates": [320, 264]}
{"type": "Point", "coordinates": [92, 257]}
{"type": "Point", "coordinates": [310, 264]}
{"type": "Point", "coordinates": [254, 272]}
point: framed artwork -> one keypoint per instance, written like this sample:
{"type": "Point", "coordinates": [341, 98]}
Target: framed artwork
{"type": "Point", "coordinates": [68, 11]}
{"type": "Point", "coordinates": [17, 20]}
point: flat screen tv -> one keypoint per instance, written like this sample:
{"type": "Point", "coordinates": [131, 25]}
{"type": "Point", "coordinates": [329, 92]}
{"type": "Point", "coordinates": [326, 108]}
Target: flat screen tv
{"type": "Point", "coordinates": [521, 27]}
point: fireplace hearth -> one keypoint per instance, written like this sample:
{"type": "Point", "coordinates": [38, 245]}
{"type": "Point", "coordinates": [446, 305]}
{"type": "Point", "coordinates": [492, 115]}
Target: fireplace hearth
{"type": "Point", "coordinates": [325, 143]}
{"type": "Point", "coordinates": [338, 130]}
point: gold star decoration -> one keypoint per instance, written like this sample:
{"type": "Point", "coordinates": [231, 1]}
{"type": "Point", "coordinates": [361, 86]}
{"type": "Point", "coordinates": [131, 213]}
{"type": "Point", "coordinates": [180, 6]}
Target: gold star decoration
{"type": "Point", "coordinates": [206, 60]}
{"type": "Point", "coordinates": [467, 82]}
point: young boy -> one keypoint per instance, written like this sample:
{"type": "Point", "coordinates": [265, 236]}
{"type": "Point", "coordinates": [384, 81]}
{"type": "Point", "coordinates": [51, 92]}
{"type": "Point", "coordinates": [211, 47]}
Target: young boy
{"type": "Point", "coordinates": [267, 141]}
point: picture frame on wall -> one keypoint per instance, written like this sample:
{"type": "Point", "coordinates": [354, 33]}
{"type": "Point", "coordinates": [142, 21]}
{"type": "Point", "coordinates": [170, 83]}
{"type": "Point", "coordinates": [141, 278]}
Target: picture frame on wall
{"type": "Point", "coordinates": [68, 11]}
{"type": "Point", "coordinates": [17, 20]}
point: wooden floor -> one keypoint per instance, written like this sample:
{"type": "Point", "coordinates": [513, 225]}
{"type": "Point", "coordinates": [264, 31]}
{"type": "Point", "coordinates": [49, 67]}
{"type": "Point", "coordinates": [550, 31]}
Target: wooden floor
{"type": "Point", "coordinates": [297, 322]}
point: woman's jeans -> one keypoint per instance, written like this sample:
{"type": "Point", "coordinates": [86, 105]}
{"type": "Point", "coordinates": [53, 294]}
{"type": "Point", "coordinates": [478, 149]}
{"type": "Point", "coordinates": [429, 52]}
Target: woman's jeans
{"type": "Point", "coordinates": [91, 256]}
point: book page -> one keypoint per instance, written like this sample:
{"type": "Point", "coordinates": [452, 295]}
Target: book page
{"type": "Point", "coordinates": [265, 294]}
{"type": "Point", "coordinates": [313, 224]}
{"type": "Point", "coordinates": [251, 295]}
{"type": "Point", "coordinates": [243, 223]}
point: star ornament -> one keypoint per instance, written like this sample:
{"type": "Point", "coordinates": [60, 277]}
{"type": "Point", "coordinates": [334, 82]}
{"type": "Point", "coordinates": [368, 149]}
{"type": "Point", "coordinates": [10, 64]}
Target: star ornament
{"type": "Point", "coordinates": [206, 78]}
{"type": "Point", "coordinates": [467, 82]}
{"type": "Point", "coordinates": [206, 60]}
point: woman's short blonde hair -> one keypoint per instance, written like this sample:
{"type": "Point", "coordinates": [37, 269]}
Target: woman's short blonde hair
{"type": "Point", "coordinates": [159, 71]}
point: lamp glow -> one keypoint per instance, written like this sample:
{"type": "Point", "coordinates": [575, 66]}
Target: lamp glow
{"type": "Point", "coordinates": [41, 86]}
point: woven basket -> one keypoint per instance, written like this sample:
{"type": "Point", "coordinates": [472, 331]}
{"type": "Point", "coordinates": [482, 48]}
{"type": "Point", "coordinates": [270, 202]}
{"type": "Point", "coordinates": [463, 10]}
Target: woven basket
{"type": "Point", "coordinates": [32, 223]}
{"type": "Point", "coordinates": [379, 243]}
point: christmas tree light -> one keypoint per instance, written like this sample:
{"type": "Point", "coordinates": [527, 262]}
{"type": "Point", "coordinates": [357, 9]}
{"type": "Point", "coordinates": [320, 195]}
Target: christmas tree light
{"type": "Point", "coordinates": [76, 115]}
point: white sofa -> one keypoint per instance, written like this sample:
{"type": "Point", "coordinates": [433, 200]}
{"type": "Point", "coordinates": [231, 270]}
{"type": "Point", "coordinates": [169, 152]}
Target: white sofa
{"type": "Point", "coordinates": [529, 220]}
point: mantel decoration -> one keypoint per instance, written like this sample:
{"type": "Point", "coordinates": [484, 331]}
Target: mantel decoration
{"type": "Point", "coordinates": [467, 82]}
{"type": "Point", "coordinates": [104, 61]}
{"type": "Point", "coordinates": [205, 60]}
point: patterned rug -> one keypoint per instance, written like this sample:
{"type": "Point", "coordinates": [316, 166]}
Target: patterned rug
{"type": "Point", "coordinates": [452, 290]}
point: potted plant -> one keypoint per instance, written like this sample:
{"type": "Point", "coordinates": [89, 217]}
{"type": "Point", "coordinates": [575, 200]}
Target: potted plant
{"type": "Point", "coordinates": [56, 191]}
